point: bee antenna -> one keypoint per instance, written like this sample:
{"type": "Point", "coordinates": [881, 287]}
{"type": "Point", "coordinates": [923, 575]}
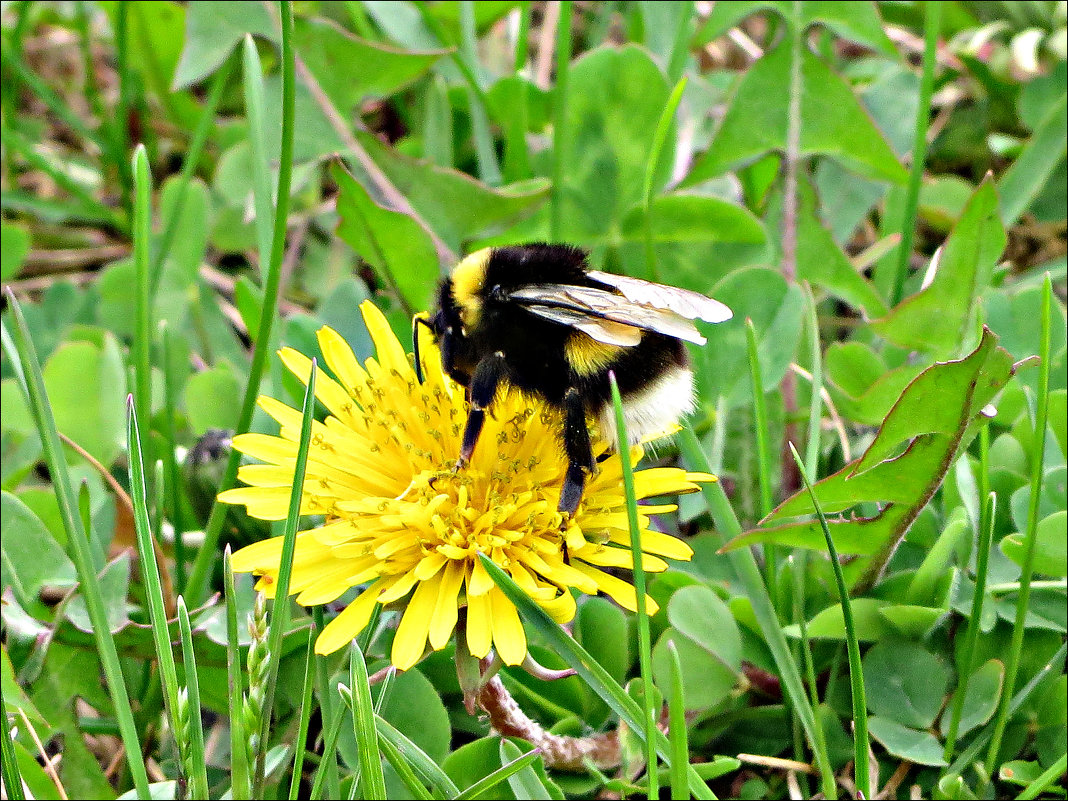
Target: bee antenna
{"type": "Point", "coordinates": [415, 345]}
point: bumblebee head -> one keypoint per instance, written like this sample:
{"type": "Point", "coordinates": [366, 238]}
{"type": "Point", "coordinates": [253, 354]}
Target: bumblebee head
{"type": "Point", "coordinates": [459, 308]}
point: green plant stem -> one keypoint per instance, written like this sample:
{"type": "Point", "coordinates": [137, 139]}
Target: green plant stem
{"type": "Point", "coordinates": [745, 567]}
{"type": "Point", "coordinates": [560, 132]}
{"type": "Point", "coordinates": [198, 772]}
{"type": "Point", "coordinates": [23, 355]}
{"type": "Point", "coordinates": [677, 732]}
{"type": "Point", "coordinates": [280, 607]}
{"type": "Point", "coordinates": [122, 109]}
{"type": "Point", "coordinates": [1038, 450]}
{"type": "Point", "coordinates": [142, 340]}
{"type": "Point", "coordinates": [932, 24]}
{"type": "Point", "coordinates": [172, 483]}
{"type": "Point", "coordinates": [760, 417]}
{"type": "Point", "coordinates": [327, 770]}
{"type": "Point", "coordinates": [305, 719]}
{"type": "Point", "coordinates": [856, 674]}
{"type": "Point", "coordinates": [663, 126]}
{"type": "Point", "coordinates": [522, 38]}
{"type": "Point", "coordinates": [12, 776]}
{"type": "Point", "coordinates": [645, 661]}
{"type": "Point", "coordinates": [189, 166]}
{"type": "Point", "coordinates": [967, 666]}
{"type": "Point", "coordinates": [240, 780]}
{"type": "Point", "coordinates": [1055, 771]}
{"type": "Point", "coordinates": [198, 579]}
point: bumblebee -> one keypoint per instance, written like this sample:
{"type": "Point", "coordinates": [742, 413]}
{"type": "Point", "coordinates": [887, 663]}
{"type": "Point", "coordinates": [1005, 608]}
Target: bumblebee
{"type": "Point", "coordinates": [535, 317]}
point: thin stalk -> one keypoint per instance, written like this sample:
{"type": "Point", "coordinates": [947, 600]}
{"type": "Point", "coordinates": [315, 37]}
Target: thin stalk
{"type": "Point", "coordinates": [680, 48]}
{"type": "Point", "coordinates": [932, 23]}
{"type": "Point", "coordinates": [142, 340]}
{"type": "Point", "coordinates": [150, 567]}
{"type": "Point", "coordinates": [299, 749]}
{"type": "Point", "coordinates": [372, 782]}
{"type": "Point", "coordinates": [329, 749]}
{"type": "Point", "coordinates": [1054, 772]}
{"type": "Point", "coordinates": [745, 567]}
{"type": "Point", "coordinates": [189, 166]}
{"type": "Point", "coordinates": [404, 770]}
{"type": "Point", "coordinates": [280, 607]}
{"type": "Point", "coordinates": [485, 150]}
{"type": "Point", "coordinates": [197, 769]}
{"type": "Point", "coordinates": [327, 703]}
{"type": "Point", "coordinates": [10, 766]}
{"type": "Point", "coordinates": [171, 392]}
{"type": "Point", "coordinates": [967, 666]}
{"type": "Point", "coordinates": [522, 38]}
{"type": "Point", "coordinates": [122, 109]}
{"type": "Point", "coordinates": [760, 417]}
{"type": "Point", "coordinates": [678, 735]}
{"type": "Point", "coordinates": [198, 580]}
{"type": "Point", "coordinates": [240, 781]}
{"type": "Point", "coordinates": [663, 125]}
{"type": "Point", "coordinates": [560, 132]}
{"type": "Point", "coordinates": [1038, 449]}
{"type": "Point", "coordinates": [22, 353]}
{"type": "Point", "coordinates": [861, 743]}
{"type": "Point", "coordinates": [256, 114]}
{"type": "Point", "coordinates": [645, 660]}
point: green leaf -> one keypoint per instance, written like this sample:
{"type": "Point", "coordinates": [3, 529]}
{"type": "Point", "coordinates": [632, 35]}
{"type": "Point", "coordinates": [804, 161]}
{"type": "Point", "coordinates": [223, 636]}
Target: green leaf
{"type": "Point", "coordinates": [601, 628]}
{"type": "Point", "coordinates": [775, 309]}
{"type": "Point", "coordinates": [211, 33]}
{"type": "Point", "coordinates": [114, 587]}
{"type": "Point", "coordinates": [940, 318]}
{"type": "Point", "coordinates": [456, 206]}
{"type": "Point", "coordinates": [211, 399]}
{"type": "Point", "coordinates": [31, 556]}
{"type": "Point", "coordinates": [981, 698]}
{"type": "Point", "coordinates": [687, 219]}
{"type": "Point", "coordinates": [706, 679]}
{"type": "Point", "coordinates": [920, 747]}
{"type": "Point", "coordinates": [857, 22]}
{"type": "Point", "coordinates": [14, 245]}
{"type": "Point", "coordinates": [474, 761]}
{"type": "Point", "coordinates": [1051, 547]}
{"type": "Point", "coordinates": [350, 69]}
{"type": "Point", "coordinates": [394, 243]}
{"type": "Point", "coordinates": [1033, 168]}
{"type": "Point", "coordinates": [615, 98]}
{"type": "Point", "coordinates": [86, 385]}
{"type": "Point", "coordinates": [868, 621]}
{"type": "Point", "coordinates": [414, 708]}
{"type": "Point", "coordinates": [861, 385]}
{"type": "Point", "coordinates": [821, 262]}
{"type": "Point", "coordinates": [528, 782]}
{"type": "Point", "coordinates": [190, 241]}
{"type": "Point", "coordinates": [698, 614]}
{"type": "Point", "coordinates": [938, 414]}
{"type": "Point", "coordinates": [1020, 771]}
{"type": "Point", "coordinates": [833, 123]}
{"type": "Point", "coordinates": [905, 682]}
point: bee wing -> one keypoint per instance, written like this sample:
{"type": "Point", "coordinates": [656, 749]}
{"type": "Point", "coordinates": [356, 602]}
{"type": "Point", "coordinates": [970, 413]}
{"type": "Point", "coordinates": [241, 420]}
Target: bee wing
{"type": "Point", "coordinates": [607, 331]}
{"type": "Point", "coordinates": [600, 304]}
{"type": "Point", "coordinates": [691, 305]}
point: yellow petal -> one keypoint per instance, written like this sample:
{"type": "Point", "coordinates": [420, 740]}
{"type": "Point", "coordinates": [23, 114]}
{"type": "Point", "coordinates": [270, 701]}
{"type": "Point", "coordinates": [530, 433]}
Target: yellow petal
{"type": "Point", "coordinates": [446, 611]}
{"type": "Point", "coordinates": [620, 591]}
{"type": "Point", "coordinates": [508, 636]}
{"type": "Point", "coordinates": [340, 359]}
{"type": "Point", "coordinates": [410, 640]}
{"type": "Point", "coordinates": [390, 353]}
{"type": "Point", "coordinates": [344, 628]}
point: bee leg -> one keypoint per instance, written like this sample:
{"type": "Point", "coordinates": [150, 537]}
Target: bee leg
{"type": "Point", "coordinates": [483, 388]}
{"type": "Point", "coordinates": [579, 452]}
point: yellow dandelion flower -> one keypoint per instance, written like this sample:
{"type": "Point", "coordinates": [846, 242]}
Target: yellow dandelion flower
{"type": "Point", "coordinates": [402, 526]}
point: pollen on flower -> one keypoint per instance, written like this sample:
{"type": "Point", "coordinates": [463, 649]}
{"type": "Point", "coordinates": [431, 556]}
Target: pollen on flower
{"type": "Point", "coordinates": [406, 528]}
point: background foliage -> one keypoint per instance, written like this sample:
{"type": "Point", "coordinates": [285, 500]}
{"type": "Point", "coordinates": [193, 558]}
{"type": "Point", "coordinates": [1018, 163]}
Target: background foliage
{"type": "Point", "coordinates": [877, 191]}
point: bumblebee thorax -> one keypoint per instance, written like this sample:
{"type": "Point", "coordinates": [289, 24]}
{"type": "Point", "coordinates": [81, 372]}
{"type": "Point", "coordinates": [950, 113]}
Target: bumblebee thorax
{"type": "Point", "coordinates": [468, 281]}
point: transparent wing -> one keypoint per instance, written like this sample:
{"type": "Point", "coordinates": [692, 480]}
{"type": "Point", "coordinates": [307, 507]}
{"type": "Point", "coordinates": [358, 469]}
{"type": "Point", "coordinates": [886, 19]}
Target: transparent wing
{"type": "Point", "coordinates": [593, 304]}
{"type": "Point", "coordinates": [607, 331]}
{"type": "Point", "coordinates": [691, 305]}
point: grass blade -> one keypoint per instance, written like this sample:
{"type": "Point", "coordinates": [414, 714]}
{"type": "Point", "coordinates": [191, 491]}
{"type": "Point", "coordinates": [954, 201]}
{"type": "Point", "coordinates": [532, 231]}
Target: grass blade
{"type": "Point", "coordinates": [745, 567]}
{"type": "Point", "coordinates": [261, 171]}
{"type": "Point", "coordinates": [305, 719]}
{"type": "Point", "coordinates": [1055, 771]}
{"type": "Point", "coordinates": [486, 783]}
{"type": "Point", "coordinates": [142, 339]}
{"type": "Point", "coordinates": [10, 767]}
{"type": "Point", "coordinates": [427, 769]}
{"type": "Point", "coordinates": [21, 352]}
{"type": "Point", "coordinates": [586, 667]}
{"type": "Point", "coordinates": [403, 769]}
{"type": "Point", "coordinates": [329, 748]}
{"type": "Point", "coordinates": [986, 538]}
{"type": "Point", "coordinates": [372, 781]}
{"type": "Point", "coordinates": [280, 607]}
{"type": "Point", "coordinates": [195, 766]}
{"type": "Point", "coordinates": [856, 674]}
{"type": "Point", "coordinates": [663, 125]}
{"type": "Point", "coordinates": [645, 662]}
{"type": "Point", "coordinates": [198, 579]}
{"type": "Point", "coordinates": [560, 132]}
{"type": "Point", "coordinates": [932, 24]}
{"type": "Point", "coordinates": [1038, 449]}
{"type": "Point", "coordinates": [240, 780]}
{"type": "Point", "coordinates": [677, 732]}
